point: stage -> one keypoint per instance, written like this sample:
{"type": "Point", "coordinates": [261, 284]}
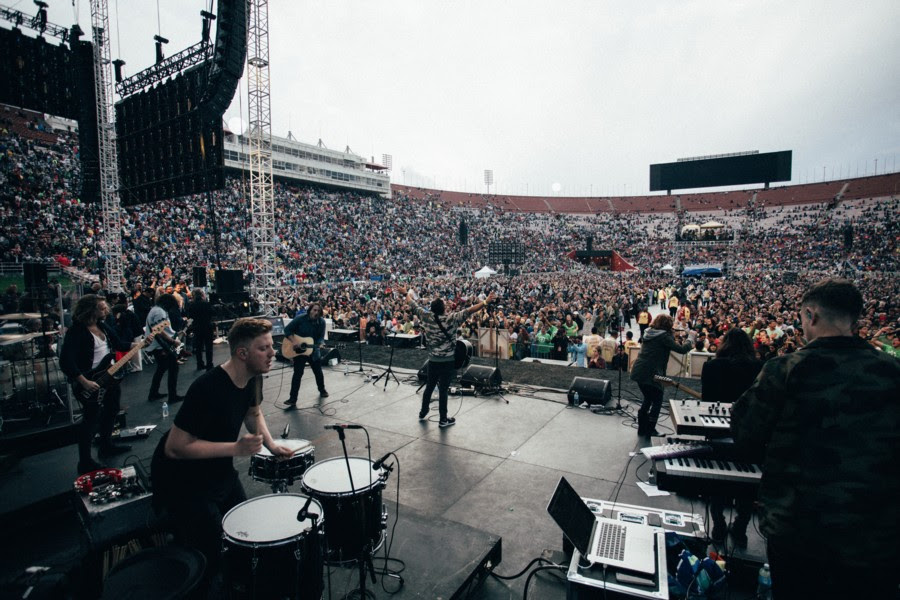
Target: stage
{"type": "Point", "coordinates": [486, 480]}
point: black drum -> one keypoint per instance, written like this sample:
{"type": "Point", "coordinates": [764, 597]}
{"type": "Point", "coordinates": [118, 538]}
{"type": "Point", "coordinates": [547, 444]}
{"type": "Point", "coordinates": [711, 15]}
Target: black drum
{"type": "Point", "coordinates": [462, 354]}
{"type": "Point", "coordinates": [354, 518]}
{"type": "Point", "coordinates": [267, 468]}
{"type": "Point", "coordinates": [268, 553]}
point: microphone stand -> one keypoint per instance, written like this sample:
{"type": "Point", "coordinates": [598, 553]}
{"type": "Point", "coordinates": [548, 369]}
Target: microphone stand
{"type": "Point", "coordinates": [389, 372]}
{"type": "Point", "coordinates": [359, 343]}
{"type": "Point", "coordinates": [365, 552]}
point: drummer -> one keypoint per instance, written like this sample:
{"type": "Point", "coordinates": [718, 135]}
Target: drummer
{"type": "Point", "coordinates": [192, 471]}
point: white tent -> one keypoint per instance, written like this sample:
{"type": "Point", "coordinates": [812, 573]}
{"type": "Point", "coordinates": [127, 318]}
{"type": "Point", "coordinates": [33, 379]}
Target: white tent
{"type": "Point", "coordinates": [711, 225]}
{"type": "Point", "coordinates": [484, 272]}
{"type": "Point", "coordinates": [668, 268]}
{"type": "Point", "coordinates": [687, 228]}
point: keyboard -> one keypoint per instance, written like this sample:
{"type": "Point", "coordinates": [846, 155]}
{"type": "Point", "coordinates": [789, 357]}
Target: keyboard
{"type": "Point", "coordinates": [675, 450]}
{"type": "Point", "coordinates": [611, 541]}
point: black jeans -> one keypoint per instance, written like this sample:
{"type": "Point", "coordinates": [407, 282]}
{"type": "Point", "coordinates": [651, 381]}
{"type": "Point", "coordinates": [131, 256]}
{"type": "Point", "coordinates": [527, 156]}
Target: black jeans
{"type": "Point", "coordinates": [92, 416]}
{"type": "Point", "coordinates": [439, 374]}
{"type": "Point", "coordinates": [299, 367]}
{"type": "Point", "coordinates": [649, 411]}
{"type": "Point", "coordinates": [203, 344]}
{"type": "Point", "coordinates": [165, 361]}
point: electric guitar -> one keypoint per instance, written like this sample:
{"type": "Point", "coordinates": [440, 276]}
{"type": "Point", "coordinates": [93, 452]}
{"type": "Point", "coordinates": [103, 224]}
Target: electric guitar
{"type": "Point", "coordinates": [107, 375]}
{"type": "Point", "coordinates": [294, 345]}
{"type": "Point", "coordinates": [678, 386]}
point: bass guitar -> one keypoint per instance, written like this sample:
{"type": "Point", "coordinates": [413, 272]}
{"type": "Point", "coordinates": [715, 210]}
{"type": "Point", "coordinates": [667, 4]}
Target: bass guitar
{"type": "Point", "coordinates": [107, 375]}
{"type": "Point", "coordinates": [678, 386]}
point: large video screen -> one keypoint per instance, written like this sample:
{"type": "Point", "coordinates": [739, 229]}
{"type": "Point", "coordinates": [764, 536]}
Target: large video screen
{"type": "Point", "coordinates": [745, 169]}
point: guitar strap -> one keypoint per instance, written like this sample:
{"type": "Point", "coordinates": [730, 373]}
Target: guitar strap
{"type": "Point", "coordinates": [443, 329]}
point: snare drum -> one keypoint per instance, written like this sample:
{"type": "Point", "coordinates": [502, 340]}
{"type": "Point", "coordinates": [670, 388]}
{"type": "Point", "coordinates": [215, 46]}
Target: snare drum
{"type": "Point", "coordinates": [267, 468]}
{"type": "Point", "coordinates": [267, 553]}
{"type": "Point", "coordinates": [354, 518]}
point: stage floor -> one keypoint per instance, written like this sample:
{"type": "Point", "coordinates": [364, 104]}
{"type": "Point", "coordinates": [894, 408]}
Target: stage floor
{"type": "Point", "coordinates": [494, 471]}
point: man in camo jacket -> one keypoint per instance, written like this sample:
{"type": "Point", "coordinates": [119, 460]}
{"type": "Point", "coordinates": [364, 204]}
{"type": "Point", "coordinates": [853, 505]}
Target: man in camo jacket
{"type": "Point", "coordinates": [824, 422]}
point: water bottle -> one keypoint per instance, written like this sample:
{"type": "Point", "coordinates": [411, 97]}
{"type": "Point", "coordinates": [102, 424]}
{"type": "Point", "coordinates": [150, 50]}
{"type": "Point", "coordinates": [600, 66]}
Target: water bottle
{"type": "Point", "coordinates": [764, 587]}
{"type": "Point", "coordinates": [165, 409]}
{"type": "Point", "coordinates": [575, 399]}
{"type": "Point", "coordinates": [346, 369]}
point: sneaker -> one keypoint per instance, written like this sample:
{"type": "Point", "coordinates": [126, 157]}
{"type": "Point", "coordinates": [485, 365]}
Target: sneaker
{"type": "Point", "coordinates": [290, 402]}
{"type": "Point", "coordinates": [584, 405]}
{"type": "Point", "coordinates": [323, 394]}
{"type": "Point", "coordinates": [423, 416]}
{"type": "Point", "coordinates": [155, 396]}
{"type": "Point", "coordinates": [447, 422]}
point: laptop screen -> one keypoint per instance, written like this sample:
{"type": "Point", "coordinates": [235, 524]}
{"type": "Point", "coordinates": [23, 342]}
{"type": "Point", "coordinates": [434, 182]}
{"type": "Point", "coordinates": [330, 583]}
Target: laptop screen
{"type": "Point", "coordinates": [572, 515]}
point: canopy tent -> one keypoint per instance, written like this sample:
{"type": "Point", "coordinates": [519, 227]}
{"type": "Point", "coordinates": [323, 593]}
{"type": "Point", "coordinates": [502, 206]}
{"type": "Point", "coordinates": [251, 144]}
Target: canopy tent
{"type": "Point", "coordinates": [708, 270]}
{"type": "Point", "coordinates": [667, 269]}
{"type": "Point", "coordinates": [691, 227]}
{"type": "Point", "coordinates": [484, 272]}
{"type": "Point", "coordinates": [712, 225]}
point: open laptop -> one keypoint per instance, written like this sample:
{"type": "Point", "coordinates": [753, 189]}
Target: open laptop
{"type": "Point", "coordinates": [601, 540]}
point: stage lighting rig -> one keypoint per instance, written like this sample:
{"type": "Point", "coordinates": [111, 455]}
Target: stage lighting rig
{"type": "Point", "coordinates": [160, 40]}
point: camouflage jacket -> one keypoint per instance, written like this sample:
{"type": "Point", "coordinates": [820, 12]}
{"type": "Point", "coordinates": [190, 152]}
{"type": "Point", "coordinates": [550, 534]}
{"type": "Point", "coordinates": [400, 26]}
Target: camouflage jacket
{"type": "Point", "coordinates": [824, 422]}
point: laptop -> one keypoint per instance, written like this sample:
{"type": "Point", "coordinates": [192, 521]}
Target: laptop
{"type": "Point", "coordinates": [599, 539]}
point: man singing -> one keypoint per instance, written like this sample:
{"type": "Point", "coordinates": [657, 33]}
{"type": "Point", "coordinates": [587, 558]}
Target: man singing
{"type": "Point", "coordinates": [441, 348]}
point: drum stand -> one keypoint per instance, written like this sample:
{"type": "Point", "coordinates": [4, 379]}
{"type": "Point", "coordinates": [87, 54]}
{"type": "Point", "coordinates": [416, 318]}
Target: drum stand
{"type": "Point", "coordinates": [387, 374]}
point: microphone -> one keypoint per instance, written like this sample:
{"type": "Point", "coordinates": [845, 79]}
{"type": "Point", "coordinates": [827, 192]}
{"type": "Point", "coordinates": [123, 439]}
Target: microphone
{"type": "Point", "coordinates": [339, 426]}
{"type": "Point", "coordinates": [377, 464]}
{"type": "Point", "coordinates": [287, 430]}
{"type": "Point", "coordinates": [304, 512]}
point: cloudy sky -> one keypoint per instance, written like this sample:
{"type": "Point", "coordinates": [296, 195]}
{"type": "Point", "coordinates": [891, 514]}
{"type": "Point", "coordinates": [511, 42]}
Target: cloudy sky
{"type": "Point", "coordinates": [581, 94]}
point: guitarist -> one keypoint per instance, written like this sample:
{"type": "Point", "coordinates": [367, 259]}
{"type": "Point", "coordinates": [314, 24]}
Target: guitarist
{"type": "Point", "coordinates": [86, 344]}
{"type": "Point", "coordinates": [310, 325]}
{"type": "Point", "coordinates": [654, 356]}
{"type": "Point", "coordinates": [441, 347]}
{"type": "Point", "coordinates": [163, 348]}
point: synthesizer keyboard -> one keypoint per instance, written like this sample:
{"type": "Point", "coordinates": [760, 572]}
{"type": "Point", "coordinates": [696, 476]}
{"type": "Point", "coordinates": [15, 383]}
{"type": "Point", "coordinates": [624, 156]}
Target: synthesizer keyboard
{"type": "Point", "coordinates": [693, 417]}
{"type": "Point", "coordinates": [707, 475]}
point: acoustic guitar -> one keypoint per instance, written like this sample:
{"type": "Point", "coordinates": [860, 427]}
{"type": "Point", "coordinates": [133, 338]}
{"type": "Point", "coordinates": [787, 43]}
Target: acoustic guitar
{"type": "Point", "coordinates": [294, 345]}
{"type": "Point", "coordinates": [678, 386]}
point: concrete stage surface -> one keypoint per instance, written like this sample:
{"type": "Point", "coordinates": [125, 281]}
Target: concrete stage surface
{"type": "Point", "coordinates": [491, 475]}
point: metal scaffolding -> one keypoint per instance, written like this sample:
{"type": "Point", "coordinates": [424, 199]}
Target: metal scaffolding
{"type": "Point", "coordinates": [264, 285]}
{"type": "Point", "coordinates": [111, 241]}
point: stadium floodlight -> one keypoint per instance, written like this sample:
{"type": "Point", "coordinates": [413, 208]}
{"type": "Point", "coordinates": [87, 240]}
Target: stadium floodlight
{"type": "Point", "coordinates": [488, 179]}
{"type": "Point", "coordinates": [387, 160]}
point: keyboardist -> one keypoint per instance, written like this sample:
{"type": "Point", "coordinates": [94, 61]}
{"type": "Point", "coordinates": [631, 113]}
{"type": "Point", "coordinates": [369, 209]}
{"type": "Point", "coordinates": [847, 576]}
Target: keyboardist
{"type": "Point", "coordinates": [725, 378]}
{"type": "Point", "coordinates": [826, 420]}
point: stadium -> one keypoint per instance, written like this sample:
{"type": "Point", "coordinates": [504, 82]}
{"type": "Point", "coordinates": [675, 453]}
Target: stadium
{"type": "Point", "coordinates": [137, 219]}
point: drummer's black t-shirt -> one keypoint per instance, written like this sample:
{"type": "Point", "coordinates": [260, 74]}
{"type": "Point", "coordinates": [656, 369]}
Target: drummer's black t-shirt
{"type": "Point", "coordinates": [213, 410]}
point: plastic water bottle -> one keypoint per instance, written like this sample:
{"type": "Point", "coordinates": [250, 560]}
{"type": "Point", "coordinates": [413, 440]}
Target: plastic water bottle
{"type": "Point", "coordinates": [764, 585]}
{"type": "Point", "coordinates": [165, 409]}
{"type": "Point", "coordinates": [346, 369]}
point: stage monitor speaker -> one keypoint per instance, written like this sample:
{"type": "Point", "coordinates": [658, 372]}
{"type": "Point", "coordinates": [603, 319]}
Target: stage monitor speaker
{"type": "Point", "coordinates": [592, 391]}
{"type": "Point", "coordinates": [199, 277]}
{"type": "Point", "coordinates": [35, 275]}
{"type": "Point", "coordinates": [479, 376]}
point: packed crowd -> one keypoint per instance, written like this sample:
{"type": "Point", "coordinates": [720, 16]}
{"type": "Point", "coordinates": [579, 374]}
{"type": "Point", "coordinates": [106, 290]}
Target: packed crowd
{"type": "Point", "coordinates": [347, 248]}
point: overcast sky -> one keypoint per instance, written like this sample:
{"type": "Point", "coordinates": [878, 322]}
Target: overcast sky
{"type": "Point", "coordinates": [585, 95]}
